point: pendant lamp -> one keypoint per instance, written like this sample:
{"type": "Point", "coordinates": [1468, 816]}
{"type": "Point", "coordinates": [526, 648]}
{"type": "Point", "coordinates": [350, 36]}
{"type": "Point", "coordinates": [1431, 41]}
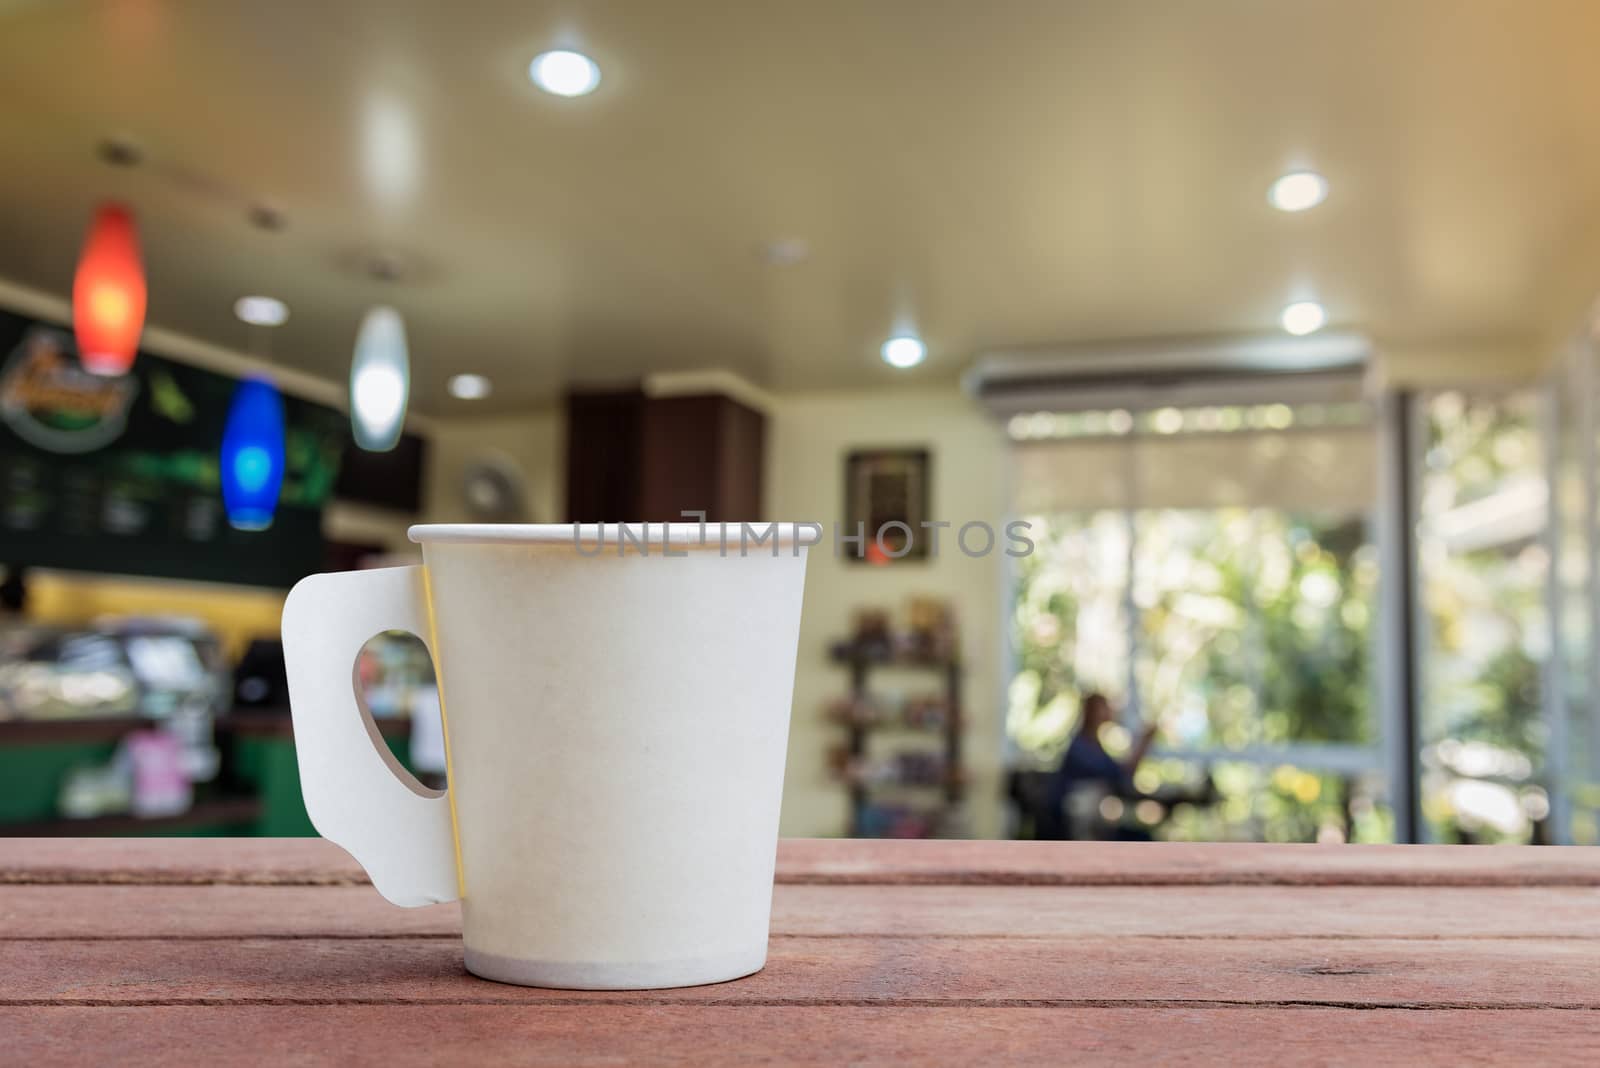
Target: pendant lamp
{"type": "Point", "coordinates": [252, 455]}
{"type": "Point", "coordinates": [380, 380]}
{"type": "Point", "coordinates": [108, 293]}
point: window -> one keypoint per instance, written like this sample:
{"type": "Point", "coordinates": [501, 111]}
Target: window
{"type": "Point", "coordinates": [1210, 567]}
{"type": "Point", "coordinates": [1483, 566]}
{"type": "Point", "coordinates": [1572, 699]}
{"type": "Point", "coordinates": [1070, 625]}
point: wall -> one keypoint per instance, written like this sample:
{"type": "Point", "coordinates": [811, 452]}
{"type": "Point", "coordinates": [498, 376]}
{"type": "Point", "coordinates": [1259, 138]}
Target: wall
{"type": "Point", "coordinates": [808, 438]}
{"type": "Point", "coordinates": [534, 443]}
{"type": "Point", "coordinates": [362, 524]}
{"type": "Point", "coordinates": [1401, 365]}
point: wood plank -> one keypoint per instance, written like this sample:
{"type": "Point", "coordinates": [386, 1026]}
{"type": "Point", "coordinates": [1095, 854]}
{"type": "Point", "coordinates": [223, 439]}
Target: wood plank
{"type": "Point", "coordinates": [831, 911]}
{"type": "Point", "coordinates": [178, 861]}
{"type": "Point", "coordinates": [524, 1034]}
{"type": "Point", "coordinates": [312, 861]}
{"type": "Point", "coordinates": [835, 860]}
{"type": "Point", "coordinates": [837, 971]}
{"type": "Point", "coordinates": [214, 912]}
{"type": "Point", "coordinates": [1191, 912]}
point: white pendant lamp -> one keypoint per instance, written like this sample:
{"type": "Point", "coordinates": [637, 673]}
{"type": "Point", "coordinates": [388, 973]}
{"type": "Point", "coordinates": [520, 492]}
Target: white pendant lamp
{"type": "Point", "coordinates": [380, 380]}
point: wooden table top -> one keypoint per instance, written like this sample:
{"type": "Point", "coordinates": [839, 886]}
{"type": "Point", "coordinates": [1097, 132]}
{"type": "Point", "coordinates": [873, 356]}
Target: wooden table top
{"type": "Point", "coordinates": [261, 950]}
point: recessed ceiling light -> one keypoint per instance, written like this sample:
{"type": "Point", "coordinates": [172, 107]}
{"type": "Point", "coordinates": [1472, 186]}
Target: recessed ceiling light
{"type": "Point", "coordinates": [904, 351]}
{"type": "Point", "coordinates": [1303, 317]}
{"type": "Point", "coordinates": [564, 73]}
{"type": "Point", "coordinates": [1298, 191]}
{"type": "Point", "coordinates": [470, 387]}
{"type": "Point", "coordinates": [261, 311]}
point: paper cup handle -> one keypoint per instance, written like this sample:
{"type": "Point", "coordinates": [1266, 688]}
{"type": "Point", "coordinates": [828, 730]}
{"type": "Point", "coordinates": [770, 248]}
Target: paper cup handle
{"type": "Point", "coordinates": [353, 786]}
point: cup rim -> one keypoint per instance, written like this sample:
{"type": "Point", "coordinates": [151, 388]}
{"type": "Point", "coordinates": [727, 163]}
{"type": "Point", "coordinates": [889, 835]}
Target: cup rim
{"type": "Point", "coordinates": [677, 535]}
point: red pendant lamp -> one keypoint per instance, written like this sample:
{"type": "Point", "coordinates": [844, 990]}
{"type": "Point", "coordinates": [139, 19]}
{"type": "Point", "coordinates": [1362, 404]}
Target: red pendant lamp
{"type": "Point", "coordinates": [108, 293]}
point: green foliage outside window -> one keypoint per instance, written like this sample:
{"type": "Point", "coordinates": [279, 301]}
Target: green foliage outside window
{"type": "Point", "coordinates": [1252, 630]}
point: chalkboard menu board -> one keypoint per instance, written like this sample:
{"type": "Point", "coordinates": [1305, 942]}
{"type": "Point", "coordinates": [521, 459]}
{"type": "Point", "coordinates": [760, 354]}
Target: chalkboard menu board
{"type": "Point", "coordinates": [121, 475]}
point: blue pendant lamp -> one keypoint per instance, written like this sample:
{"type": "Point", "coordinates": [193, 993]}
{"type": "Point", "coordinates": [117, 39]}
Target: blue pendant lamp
{"type": "Point", "coordinates": [252, 455]}
{"type": "Point", "coordinates": [380, 380]}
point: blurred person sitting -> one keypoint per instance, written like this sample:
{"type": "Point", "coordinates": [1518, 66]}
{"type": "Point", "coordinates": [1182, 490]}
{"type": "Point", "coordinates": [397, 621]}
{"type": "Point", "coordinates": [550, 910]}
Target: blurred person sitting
{"type": "Point", "coordinates": [1086, 765]}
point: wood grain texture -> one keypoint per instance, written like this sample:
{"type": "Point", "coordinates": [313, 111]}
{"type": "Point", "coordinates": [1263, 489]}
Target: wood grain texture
{"type": "Point", "coordinates": [831, 860]}
{"type": "Point", "coordinates": [850, 911]}
{"type": "Point", "coordinates": [1037, 972]}
{"type": "Point", "coordinates": [114, 911]}
{"type": "Point", "coordinates": [259, 951]}
{"type": "Point", "coordinates": [398, 1035]}
{"type": "Point", "coordinates": [178, 861]}
{"type": "Point", "coordinates": [315, 862]}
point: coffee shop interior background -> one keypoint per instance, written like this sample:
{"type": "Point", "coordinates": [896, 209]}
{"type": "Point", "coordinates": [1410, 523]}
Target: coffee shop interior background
{"type": "Point", "coordinates": [1275, 323]}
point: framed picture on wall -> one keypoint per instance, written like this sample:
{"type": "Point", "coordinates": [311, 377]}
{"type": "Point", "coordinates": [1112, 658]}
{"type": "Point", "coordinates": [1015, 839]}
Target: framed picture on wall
{"type": "Point", "coordinates": [886, 494]}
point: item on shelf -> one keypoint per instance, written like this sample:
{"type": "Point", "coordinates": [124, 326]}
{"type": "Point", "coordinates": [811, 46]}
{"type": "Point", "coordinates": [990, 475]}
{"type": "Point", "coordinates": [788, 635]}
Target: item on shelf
{"type": "Point", "coordinates": [931, 627]}
{"type": "Point", "coordinates": [184, 682]}
{"type": "Point", "coordinates": [852, 712]}
{"type": "Point", "coordinates": [904, 647]}
{"type": "Point", "coordinates": [872, 629]}
{"type": "Point", "coordinates": [160, 786]}
{"type": "Point", "coordinates": [427, 733]}
{"type": "Point", "coordinates": [148, 775]}
{"type": "Point", "coordinates": [194, 726]}
{"type": "Point", "coordinates": [913, 766]}
{"type": "Point", "coordinates": [917, 713]}
{"type": "Point", "coordinates": [954, 822]}
{"type": "Point", "coordinates": [178, 662]}
{"type": "Point", "coordinates": [104, 790]}
{"type": "Point", "coordinates": [914, 713]}
{"type": "Point", "coordinates": [261, 680]}
{"type": "Point", "coordinates": [888, 820]}
{"type": "Point", "coordinates": [393, 670]}
{"type": "Point", "coordinates": [114, 669]}
{"type": "Point", "coordinates": [909, 767]}
{"type": "Point", "coordinates": [926, 713]}
{"type": "Point", "coordinates": [59, 674]}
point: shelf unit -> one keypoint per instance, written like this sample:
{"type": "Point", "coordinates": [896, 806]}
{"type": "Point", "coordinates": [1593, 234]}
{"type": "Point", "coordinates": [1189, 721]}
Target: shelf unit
{"type": "Point", "coordinates": [861, 661]}
{"type": "Point", "coordinates": [257, 789]}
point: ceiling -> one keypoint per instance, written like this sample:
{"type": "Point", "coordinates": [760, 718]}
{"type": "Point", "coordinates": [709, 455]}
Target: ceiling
{"type": "Point", "coordinates": [994, 175]}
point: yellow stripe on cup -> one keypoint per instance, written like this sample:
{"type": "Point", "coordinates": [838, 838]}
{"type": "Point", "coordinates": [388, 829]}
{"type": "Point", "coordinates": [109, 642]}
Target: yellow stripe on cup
{"type": "Point", "coordinates": [444, 720]}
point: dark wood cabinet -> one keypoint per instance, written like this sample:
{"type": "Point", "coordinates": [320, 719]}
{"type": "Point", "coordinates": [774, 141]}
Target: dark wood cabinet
{"type": "Point", "coordinates": [632, 457]}
{"type": "Point", "coordinates": [604, 434]}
